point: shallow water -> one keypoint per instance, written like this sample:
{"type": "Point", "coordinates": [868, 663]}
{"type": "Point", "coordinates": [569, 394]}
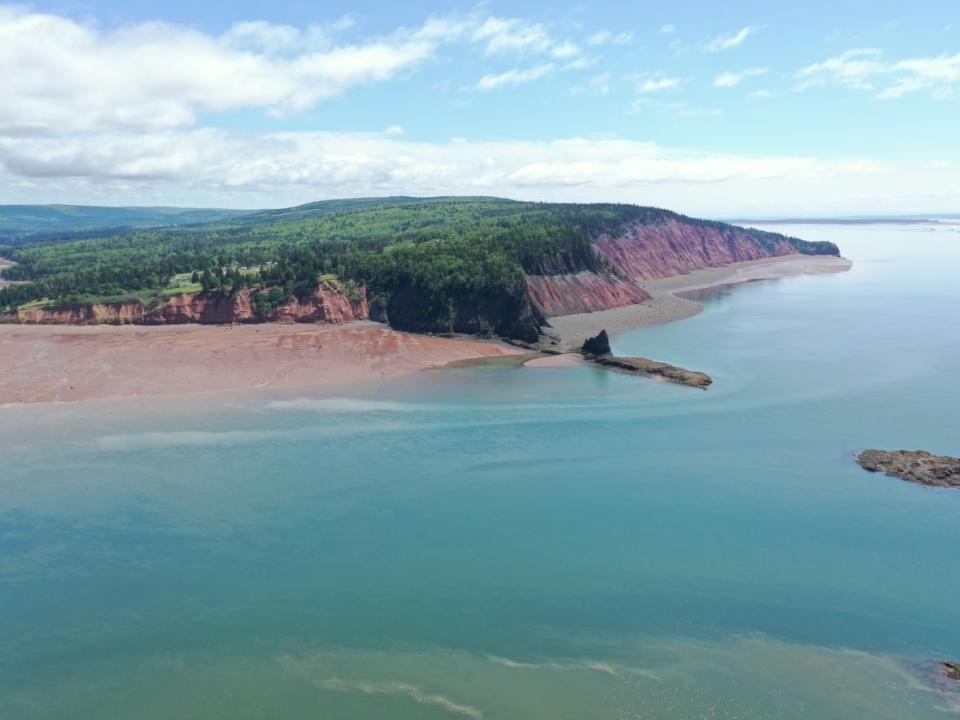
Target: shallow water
{"type": "Point", "coordinates": [499, 542]}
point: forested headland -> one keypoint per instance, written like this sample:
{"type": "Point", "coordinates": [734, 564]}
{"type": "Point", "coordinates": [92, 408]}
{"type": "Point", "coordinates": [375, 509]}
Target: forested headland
{"type": "Point", "coordinates": [442, 251]}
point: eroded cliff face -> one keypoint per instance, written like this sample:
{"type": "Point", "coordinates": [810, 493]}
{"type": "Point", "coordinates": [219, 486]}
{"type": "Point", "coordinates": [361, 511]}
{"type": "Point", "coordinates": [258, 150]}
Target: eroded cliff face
{"type": "Point", "coordinates": [572, 293]}
{"type": "Point", "coordinates": [647, 252]}
{"type": "Point", "coordinates": [510, 314]}
{"type": "Point", "coordinates": [323, 304]}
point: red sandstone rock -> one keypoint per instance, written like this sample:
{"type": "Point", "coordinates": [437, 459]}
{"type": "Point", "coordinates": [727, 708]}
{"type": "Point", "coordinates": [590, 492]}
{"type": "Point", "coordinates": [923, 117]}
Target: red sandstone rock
{"type": "Point", "coordinates": [324, 304]}
{"type": "Point", "coordinates": [582, 292]}
{"type": "Point", "coordinates": [647, 252]}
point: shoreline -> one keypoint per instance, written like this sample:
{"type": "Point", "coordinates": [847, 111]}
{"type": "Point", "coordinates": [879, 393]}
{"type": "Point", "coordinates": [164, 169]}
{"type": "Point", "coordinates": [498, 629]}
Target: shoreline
{"type": "Point", "coordinates": [678, 297]}
{"type": "Point", "coordinates": [60, 363]}
{"type": "Point", "coordinates": [70, 363]}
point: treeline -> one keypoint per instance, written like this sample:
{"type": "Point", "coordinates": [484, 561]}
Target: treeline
{"type": "Point", "coordinates": [445, 248]}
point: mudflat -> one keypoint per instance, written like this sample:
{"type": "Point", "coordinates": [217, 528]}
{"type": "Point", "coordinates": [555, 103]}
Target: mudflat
{"type": "Point", "coordinates": [61, 363]}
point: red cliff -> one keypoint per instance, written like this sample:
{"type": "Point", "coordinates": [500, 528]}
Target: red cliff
{"type": "Point", "coordinates": [582, 292]}
{"type": "Point", "coordinates": [649, 251]}
{"type": "Point", "coordinates": [324, 304]}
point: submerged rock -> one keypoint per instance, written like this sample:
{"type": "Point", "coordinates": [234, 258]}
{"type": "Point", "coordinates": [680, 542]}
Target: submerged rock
{"type": "Point", "coordinates": [597, 350]}
{"type": "Point", "coordinates": [916, 466]}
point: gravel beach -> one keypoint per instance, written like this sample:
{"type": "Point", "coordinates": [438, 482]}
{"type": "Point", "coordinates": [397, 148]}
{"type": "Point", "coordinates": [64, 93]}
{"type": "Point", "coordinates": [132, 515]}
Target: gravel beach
{"type": "Point", "coordinates": [667, 302]}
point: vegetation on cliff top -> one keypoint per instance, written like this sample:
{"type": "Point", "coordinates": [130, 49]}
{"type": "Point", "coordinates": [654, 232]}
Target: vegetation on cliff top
{"type": "Point", "coordinates": [443, 249]}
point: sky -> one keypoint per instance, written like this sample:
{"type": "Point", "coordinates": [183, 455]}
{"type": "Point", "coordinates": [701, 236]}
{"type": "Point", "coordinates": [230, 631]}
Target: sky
{"type": "Point", "coordinates": [728, 109]}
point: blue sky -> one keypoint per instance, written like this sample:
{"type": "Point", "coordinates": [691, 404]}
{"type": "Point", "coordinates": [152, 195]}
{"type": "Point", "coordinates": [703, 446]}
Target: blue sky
{"type": "Point", "coordinates": [720, 109]}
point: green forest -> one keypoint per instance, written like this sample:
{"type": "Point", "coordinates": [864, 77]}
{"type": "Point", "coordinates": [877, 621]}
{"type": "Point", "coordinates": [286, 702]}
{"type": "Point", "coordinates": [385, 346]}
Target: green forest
{"type": "Point", "coordinates": [444, 248]}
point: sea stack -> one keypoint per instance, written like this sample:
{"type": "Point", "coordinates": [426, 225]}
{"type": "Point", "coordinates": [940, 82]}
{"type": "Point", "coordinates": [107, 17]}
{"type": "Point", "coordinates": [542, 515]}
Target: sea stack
{"type": "Point", "coordinates": [597, 350]}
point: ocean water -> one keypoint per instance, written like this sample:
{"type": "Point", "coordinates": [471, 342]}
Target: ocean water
{"type": "Point", "coordinates": [500, 542]}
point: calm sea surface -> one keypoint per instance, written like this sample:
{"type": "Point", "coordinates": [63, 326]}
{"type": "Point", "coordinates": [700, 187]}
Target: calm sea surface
{"type": "Point", "coordinates": [499, 542]}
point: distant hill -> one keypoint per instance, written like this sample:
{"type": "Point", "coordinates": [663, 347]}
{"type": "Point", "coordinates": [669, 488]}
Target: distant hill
{"type": "Point", "coordinates": [19, 221]}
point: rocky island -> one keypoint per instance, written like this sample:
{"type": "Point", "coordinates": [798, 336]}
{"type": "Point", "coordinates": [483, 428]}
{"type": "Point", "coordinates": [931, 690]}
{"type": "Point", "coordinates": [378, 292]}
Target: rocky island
{"type": "Point", "coordinates": [916, 466]}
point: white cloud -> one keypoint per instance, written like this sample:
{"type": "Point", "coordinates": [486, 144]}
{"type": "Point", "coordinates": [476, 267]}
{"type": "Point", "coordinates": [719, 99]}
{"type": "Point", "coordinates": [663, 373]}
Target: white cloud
{"type": "Point", "coordinates": [667, 29]}
{"type": "Point", "coordinates": [658, 83]}
{"type": "Point", "coordinates": [564, 50]}
{"type": "Point", "coordinates": [60, 75]}
{"type": "Point", "coordinates": [605, 37]}
{"type": "Point", "coordinates": [727, 41]}
{"type": "Point", "coordinates": [515, 36]}
{"type": "Point", "coordinates": [231, 168]}
{"type": "Point", "coordinates": [853, 68]}
{"type": "Point", "coordinates": [866, 69]}
{"type": "Point", "coordinates": [580, 63]}
{"type": "Point", "coordinates": [732, 79]}
{"type": "Point", "coordinates": [327, 159]}
{"type": "Point", "coordinates": [515, 76]}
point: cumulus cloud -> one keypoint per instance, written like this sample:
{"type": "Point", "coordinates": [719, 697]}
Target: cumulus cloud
{"type": "Point", "coordinates": [667, 29]}
{"type": "Point", "coordinates": [866, 69]}
{"type": "Point", "coordinates": [727, 41]}
{"type": "Point", "coordinates": [514, 76]}
{"type": "Point", "coordinates": [61, 75]}
{"type": "Point", "coordinates": [732, 79]}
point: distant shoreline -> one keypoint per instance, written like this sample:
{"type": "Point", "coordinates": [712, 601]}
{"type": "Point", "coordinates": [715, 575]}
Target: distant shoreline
{"type": "Point", "coordinates": [670, 297]}
{"type": "Point", "coordinates": [935, 219]}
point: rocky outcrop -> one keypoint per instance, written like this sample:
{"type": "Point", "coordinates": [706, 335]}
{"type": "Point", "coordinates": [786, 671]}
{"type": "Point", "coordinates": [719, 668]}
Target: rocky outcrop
{"type": "Point", "coordinates": [673, 247]}
{"type": "Point", "coordinates": [597, 351]}
{"type": "Point", "coordinates": [510, 314]}
{"type": "Point", "coordinates": [599, 344]}
{"type": "Point", "coordinates": [917, 466]}
{"type": "Point", "coordinates": [652, 368]}
{"type": "Point", "coordinates": [582, 292]}
{"type": "Point", "coordinates": [950, 669]}
{"type": "Point", "coordinates": [327, 303]}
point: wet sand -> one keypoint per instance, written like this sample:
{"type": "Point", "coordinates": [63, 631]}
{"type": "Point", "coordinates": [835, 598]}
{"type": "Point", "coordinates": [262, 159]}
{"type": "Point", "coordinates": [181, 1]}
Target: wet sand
{"type": "Point", "coordinates": [556, 361]}
{"type": "Point", "coordinates": [59, 363]}
{"type": "Point", "coordinates": [673, 298]}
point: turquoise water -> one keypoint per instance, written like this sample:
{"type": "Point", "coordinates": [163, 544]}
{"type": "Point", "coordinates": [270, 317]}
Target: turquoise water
{"type": "Point", "coordinates": [499, 542]}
